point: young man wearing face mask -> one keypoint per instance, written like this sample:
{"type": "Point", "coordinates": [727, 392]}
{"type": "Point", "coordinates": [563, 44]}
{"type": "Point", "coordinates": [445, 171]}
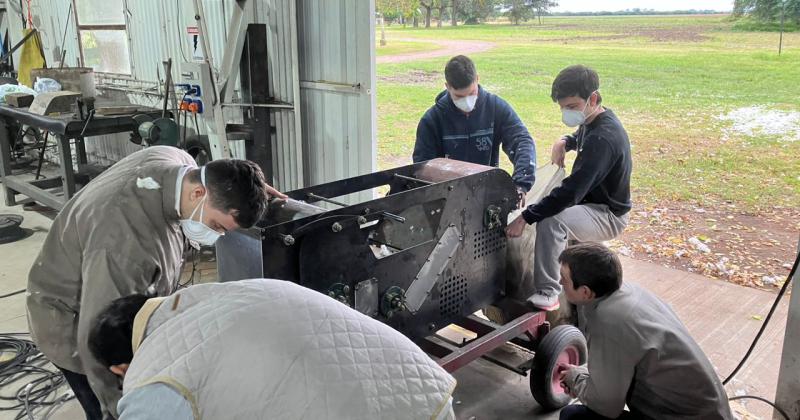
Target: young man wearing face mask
{"type": "Point", "coordinates": [468, 123]}
{"type": "Point", "coordinates": [593, 202]}
{"type": "Point", "coordinates": [124, 233]}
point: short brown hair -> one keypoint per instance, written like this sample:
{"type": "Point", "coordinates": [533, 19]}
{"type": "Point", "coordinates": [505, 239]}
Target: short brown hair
{"type": "Point", "coordinates": [577, 80]}
{"type": "Point", "coordinates": [236, 185]}
{"type": "Point", "coordinates": [460, 72]}
{"type": "Point", "coordinates": [594, 266]}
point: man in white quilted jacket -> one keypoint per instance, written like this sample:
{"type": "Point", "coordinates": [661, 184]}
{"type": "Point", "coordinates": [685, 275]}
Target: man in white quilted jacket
{"type": "Point", "coordinates": [263, 349]}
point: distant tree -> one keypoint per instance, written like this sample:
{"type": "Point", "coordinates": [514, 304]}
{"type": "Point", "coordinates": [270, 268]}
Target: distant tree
{"type": "Point", "coordinates": [477, 11]}
{"type": "Point", "coordinates": [442, 6]}
{"type": "Point", "coordinates": [542, 7]}
{"type": "Point", "coordinates": [518, 11]}
{"type": "Point", "coordinates": [454, 8]}
{"type": "Point", "coordinates": [640, 12]}
{"type": "Point", "coordinates": [768, 10]}
{"type": "Point", "coordinates": [397, 10]}
{"type": "Point", "coordinates": [428, 6]}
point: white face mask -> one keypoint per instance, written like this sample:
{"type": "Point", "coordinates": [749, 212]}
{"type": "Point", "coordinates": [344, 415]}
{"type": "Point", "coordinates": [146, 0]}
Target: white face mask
{"type": "Point", "coordinates": [195, 230]}
{"type": "Point", "coordinates": [466, 104]}
{"type": "Point", "coordinates": [574, 118]}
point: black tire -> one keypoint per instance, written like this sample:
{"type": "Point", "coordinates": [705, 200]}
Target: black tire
{"type": "Point", "coordinates": [199, 149]}
{"type": "Point", "coordinates": [565, 342]}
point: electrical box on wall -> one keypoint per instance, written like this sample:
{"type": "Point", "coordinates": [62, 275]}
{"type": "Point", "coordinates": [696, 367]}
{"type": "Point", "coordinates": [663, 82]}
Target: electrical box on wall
{"type": "Point", "coordinates": [195, 89]}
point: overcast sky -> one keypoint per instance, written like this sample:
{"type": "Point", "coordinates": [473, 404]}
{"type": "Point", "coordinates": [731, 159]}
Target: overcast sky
{"type": "Point", "coordinates": [614, 5]}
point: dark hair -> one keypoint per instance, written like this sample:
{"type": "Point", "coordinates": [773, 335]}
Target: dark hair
{"type": "Point", "coordinates": [460, 72]}
{"type": "Point", "coordinates": [594, 266]}
{"type": "Point", "coordinates": [112, 332]}
{"type": "Point", "coordinates": [577, 80]}
{"type": "Point", "coordinates": [236, 185]}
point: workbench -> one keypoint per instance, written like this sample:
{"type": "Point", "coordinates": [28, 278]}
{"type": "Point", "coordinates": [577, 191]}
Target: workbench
{"type": "Point", "coordinates": [55, 192]}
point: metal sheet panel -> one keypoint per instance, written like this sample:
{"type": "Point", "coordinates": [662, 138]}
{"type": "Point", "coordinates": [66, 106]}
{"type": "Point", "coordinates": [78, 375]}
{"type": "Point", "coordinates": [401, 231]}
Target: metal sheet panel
{"type": "Point", "coordinates": [337, 73]}
{"type": "Point", "coordinates": [50, 18]}
{"type": "Point", "coordinates": [280, 16]}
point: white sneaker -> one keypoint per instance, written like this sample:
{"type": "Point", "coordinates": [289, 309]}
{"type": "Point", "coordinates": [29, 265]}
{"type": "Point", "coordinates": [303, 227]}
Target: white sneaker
{"type": "Point", "coordinates": [545, 301]}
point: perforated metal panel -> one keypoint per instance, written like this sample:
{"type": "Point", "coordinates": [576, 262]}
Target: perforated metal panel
{"type": "Point", "coordinates": [453, 292]}
{"type": "Point", "coordinates": [486, 242]}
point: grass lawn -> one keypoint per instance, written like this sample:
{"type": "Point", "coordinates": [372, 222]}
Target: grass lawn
{"type": "Point", "coordinates": [670, 80]}
{"type": "Point", "coordinates": [401, 47]}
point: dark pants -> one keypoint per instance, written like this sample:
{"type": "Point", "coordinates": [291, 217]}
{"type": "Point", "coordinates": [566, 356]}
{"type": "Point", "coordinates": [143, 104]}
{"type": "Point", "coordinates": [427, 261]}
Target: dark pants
{"type": "Point", "coordinates": [84, 394]}
{"type": "Point", "coordinates": [582, 412]}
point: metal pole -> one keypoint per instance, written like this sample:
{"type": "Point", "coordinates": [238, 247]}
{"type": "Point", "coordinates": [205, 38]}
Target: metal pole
{"type": "Point", "coordinates": [787, 395]}
{"type": "Point", "coordinates": [167, 86]}
{"type": "Point", "coordinates": [383, 31]}
{"type": "Point", "coordinates": [783, 12]}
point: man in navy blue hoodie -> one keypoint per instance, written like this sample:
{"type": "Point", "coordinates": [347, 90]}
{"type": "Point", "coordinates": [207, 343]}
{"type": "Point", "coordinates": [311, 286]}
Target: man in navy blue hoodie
{"type": "Point", "coordinates": [470, 124]}
{"type": "Point", "coordinates": [593, 202]}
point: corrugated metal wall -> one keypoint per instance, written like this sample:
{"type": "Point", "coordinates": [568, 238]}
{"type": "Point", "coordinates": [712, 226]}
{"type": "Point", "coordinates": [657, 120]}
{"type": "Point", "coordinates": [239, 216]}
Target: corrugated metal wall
{"type": "Point", "coordinates": [337, 76]}
{"type": "Point", "coordinates": [330, 134]}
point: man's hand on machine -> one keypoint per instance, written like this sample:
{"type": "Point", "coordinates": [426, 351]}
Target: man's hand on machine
{"type": "Point", "coordinates": [521, 193]}
{"type": "Point", "coordinates": [559, 152]}
{"type": "Point", "coordinates": [515, 228]}
{"type": "Point", "coordinates": [273, 193]}
{"type": "Point", "coordinates": [563, 370]}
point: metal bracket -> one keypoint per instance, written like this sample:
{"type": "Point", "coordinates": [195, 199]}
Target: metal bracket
{"type": "Point", "coordinates": [492, 217]}
{"type": "Point", "coordinates": [392, 301]}
{"type": "Point", "coordinates": [340, 292]}
{"type": "Point", "coordinates": [366, 299]}
{"type": "Point", "coordinates": [432, 270]}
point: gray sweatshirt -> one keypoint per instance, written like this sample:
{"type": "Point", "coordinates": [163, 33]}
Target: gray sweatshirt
{"type": "Point", "coordinates": [641, 354]}
{"type": "Point", "coordinates": [118, 236]}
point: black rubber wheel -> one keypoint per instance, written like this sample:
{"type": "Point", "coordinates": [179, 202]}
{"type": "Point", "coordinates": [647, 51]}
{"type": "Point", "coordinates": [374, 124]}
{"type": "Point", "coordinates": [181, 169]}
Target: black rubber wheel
{"type": "Point", "coordinates": [562, 345]}
{"type": "Point", "coordinates": [199, 149]}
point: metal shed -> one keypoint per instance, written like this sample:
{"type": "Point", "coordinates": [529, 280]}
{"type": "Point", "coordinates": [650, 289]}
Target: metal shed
{"type": "Point", "coordinates": [320, 57]}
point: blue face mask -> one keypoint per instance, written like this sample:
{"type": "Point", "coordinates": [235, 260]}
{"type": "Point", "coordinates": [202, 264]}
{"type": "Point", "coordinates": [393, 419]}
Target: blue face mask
{"type": "Point", "coordinates": [195, 230]}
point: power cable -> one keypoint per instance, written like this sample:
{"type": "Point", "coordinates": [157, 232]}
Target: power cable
{"type": "Point", "coordinates": [12, 293]}
{"type": "Point", "coordinates": [42, 390]}
{"type": "Point", "coordinates": [766, 321]}
{"type": "Point", "coordinates": [757, 338]}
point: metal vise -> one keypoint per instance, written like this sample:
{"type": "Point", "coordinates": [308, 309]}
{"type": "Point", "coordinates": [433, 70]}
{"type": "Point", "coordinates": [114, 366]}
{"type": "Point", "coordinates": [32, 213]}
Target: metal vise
{"type": "Point", "coordinates": [432, 251]}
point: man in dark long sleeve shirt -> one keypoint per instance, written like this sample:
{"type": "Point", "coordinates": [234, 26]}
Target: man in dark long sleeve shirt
{"type": "Point", "coordinates": [468, 123]}
{"type": "Point", "coordinates": [592, 204]}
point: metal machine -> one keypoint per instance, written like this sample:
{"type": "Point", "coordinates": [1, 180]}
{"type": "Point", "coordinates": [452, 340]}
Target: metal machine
{"type": "Point", "coordinates": [429, 254]}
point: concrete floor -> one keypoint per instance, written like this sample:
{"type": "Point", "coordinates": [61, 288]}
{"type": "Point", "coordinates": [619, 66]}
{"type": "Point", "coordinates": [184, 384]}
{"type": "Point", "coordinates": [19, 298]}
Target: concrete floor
{"type": "Point", "coordinates": [721, 316]}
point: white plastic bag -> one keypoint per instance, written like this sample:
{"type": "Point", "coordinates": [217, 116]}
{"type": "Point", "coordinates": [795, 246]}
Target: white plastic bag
{"type": "Point", "coordinates": [44, 84]}
{"type": "Point", "coordinates": [9, 88]}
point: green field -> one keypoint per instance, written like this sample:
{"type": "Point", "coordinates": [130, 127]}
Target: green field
{"type": "Point", "coordinates": [401, 47]}
{"type": "Point", "coordinates": [668, 78]}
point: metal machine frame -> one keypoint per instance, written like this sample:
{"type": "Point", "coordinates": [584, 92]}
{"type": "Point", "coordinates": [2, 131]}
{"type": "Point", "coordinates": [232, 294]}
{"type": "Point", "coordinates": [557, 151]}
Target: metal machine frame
{"type": "Point", "coordinates": [429, 254]}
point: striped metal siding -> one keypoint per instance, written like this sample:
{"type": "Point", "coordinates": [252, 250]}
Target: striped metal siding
{"type": "Point", "coordinates": [337, 46]}
{"type": "Point", "coordinates": [331, 39]}
{"type": "Point", "coordinates": [280, 16]}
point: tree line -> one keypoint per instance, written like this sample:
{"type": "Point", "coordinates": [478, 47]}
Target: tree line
{"type": "Point", "coordinates": [768, 11]}
{"type": "Point", "coordinates": [641, 12]}
{"type": "Point", "coordinates": [424, 12]}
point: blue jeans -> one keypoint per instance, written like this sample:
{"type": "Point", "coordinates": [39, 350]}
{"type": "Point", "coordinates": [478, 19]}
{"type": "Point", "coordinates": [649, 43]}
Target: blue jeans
{"type": "Point", "coordinates": [582, 412]}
